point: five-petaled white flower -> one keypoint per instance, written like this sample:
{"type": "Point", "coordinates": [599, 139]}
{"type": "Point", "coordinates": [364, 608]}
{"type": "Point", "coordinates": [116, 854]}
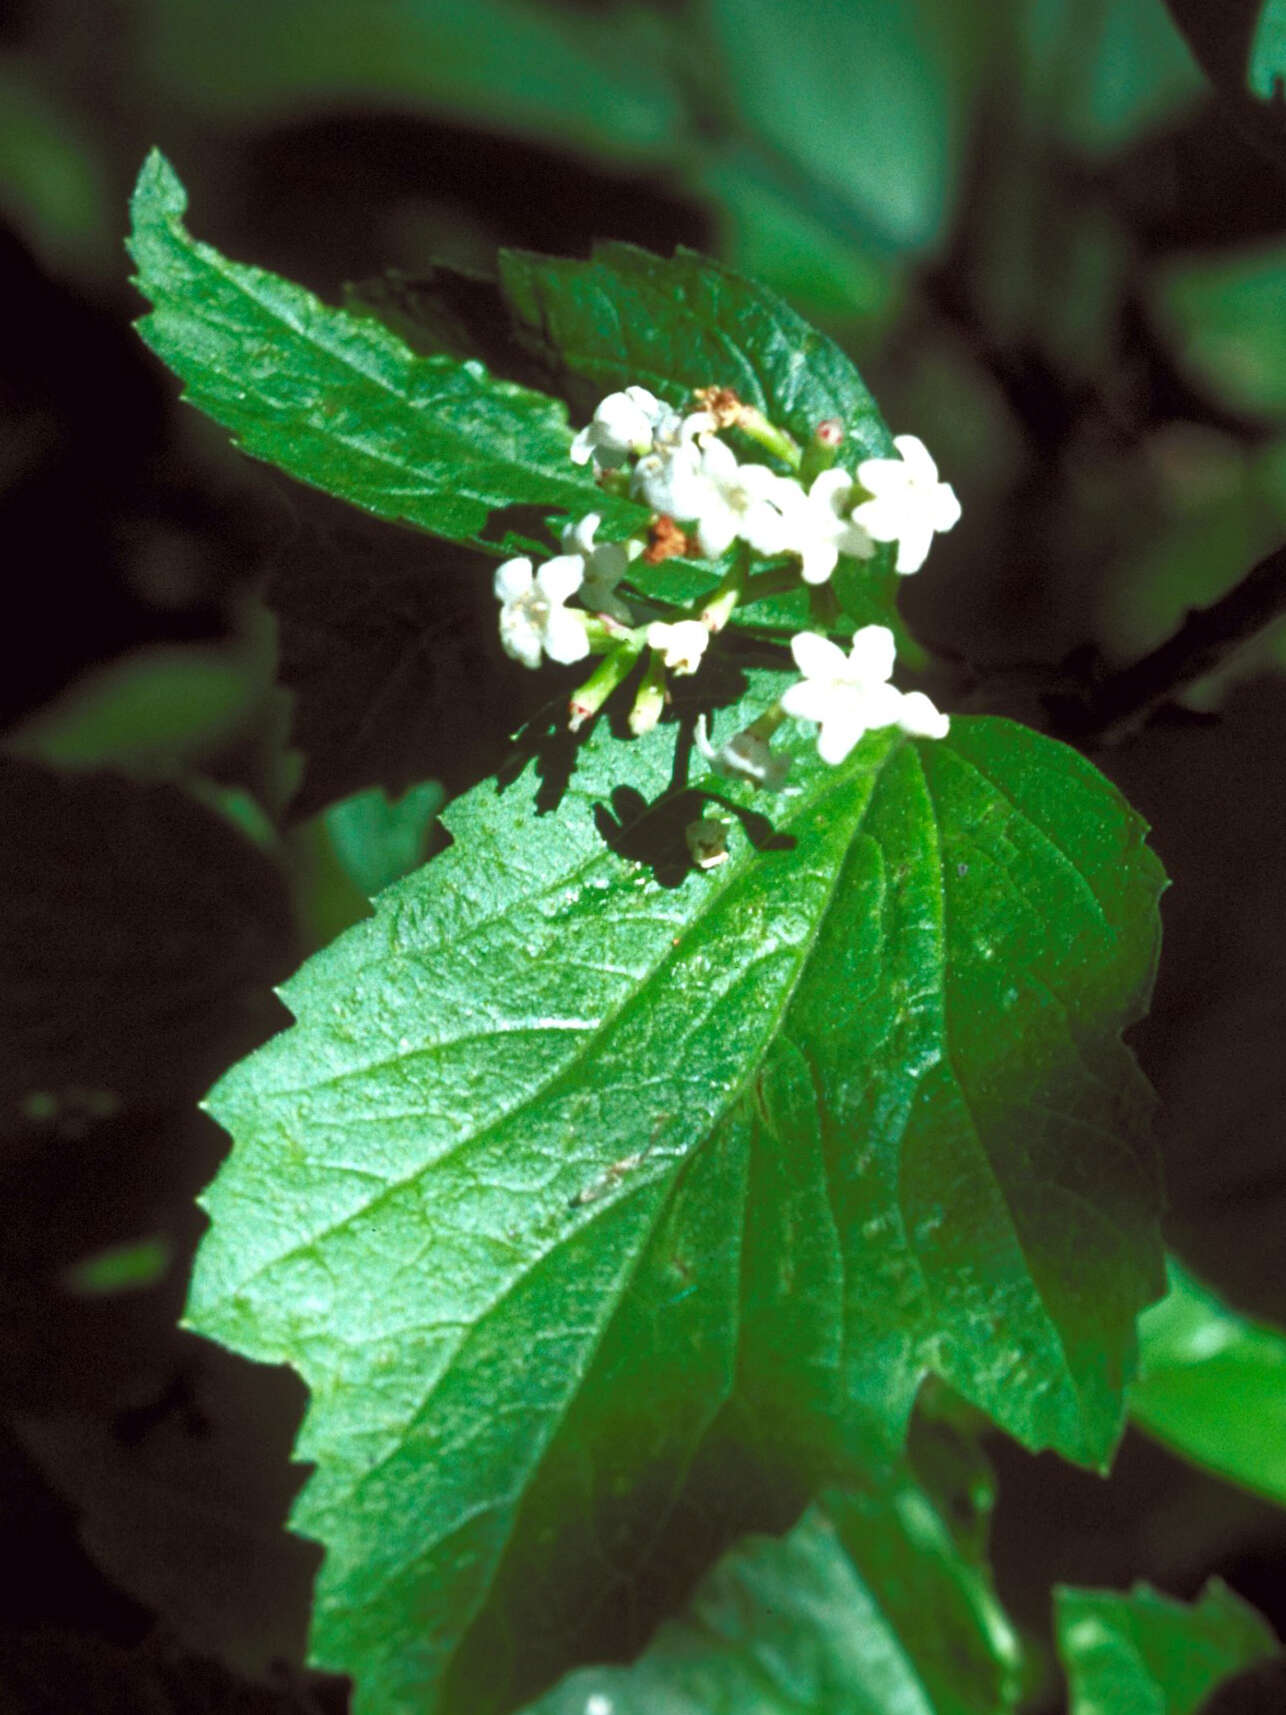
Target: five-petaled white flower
{"type": "Point", "coordinates": [821, 532]}
{"type": "Point", "coordinates": [622, 424]}
{"type": "Point", "coordinates": [671, 477]}
{"type": "Point", "coordinates": [908, 502]}
{"type": "Point", "coordinates": [746, 500]}
{"type": "Point", "coordinates": [533, 617]}
{"type": "Point", "coordinates": [682, 644]}
{"type": "Point", "coordinates": [848, 695]}
{"type": "Point", "coordinates": [604, 565]}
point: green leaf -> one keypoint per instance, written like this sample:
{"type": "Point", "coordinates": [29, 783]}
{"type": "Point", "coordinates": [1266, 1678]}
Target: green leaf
{"type": "Point", "coordinates": [1226, 316]}
{"type": "Point", "coordinates": [628, 316]}
{"type": "Point", "coordinates": [1150, 1655]}
{"type": "Point", "coordinates": [865, 1608]}
{"type": "Point", "coordinates": [604, 1204]}
{"type": "Point", "coordinates": [378, 840]}
{"type": "Point", "coordinates": [1267, 70]}
{"type": "Point", "coordinates": [1212, 1386]}
{"type": "Point", "coordinates": [338, 401]}
{"type": "Point", "coordinates": [154, 712]}
{"type": "Point", "coordinates": [576, 78]}
{"type": "Point", "coordinates": [1108, 73]}
{"type": "Point", "coordinates": [866, 101]}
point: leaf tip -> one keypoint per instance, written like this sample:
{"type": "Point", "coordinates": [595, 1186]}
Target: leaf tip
{"type": "Point", "coordinates": [158, 190]}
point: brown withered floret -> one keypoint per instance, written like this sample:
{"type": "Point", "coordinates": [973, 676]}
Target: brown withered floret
{"type": "Point", "coordinates": [722, 404]}
{"type": "Point", "coordinates": [666, 540]}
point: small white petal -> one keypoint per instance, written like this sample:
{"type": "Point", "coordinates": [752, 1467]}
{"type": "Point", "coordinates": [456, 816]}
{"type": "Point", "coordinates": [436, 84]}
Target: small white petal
{"type": "Point", "coordinates": [921, 719]}
{"type": "Point", "coordinates": [512, 579]}
{"type": "Point", "coordinates": [879, 476]}
{"type": "Point", "coordinates": [883, 518]}
{"type": "Point", "coordinates": [681, 644]}
{"type": "Point", "coordinates": [838, 736]}
{"type": "Point", "coordinates": [565, 637]}
{"type": "Point", "coordinates": [716, 527]}
{"type": "Point", "coordinates": [817, 561]}
{"type": "Point", "coordinates": [561, 577]}
{"type": "Point", "coordinates": [719, 461]}
{"type": "Point", "coordinates": [873, 653]}
{"type": "Point", "coordinates": [881, 706]}
{"type": "Point", "coordinates": [817, 657]}
{"type": "Point", "coordinates": [808, 700]}
{"type": "Point", "coordinates": [831, 488]}
{"type": "Point", "coordinates": [646, 402]}
{"type": "Point", "coordinates": [917, 456]}
{"type": "Point", "coordinates": [519, 636]}
{"type": "Point", "coordinates": [578, 538]}
{"type": "Point", "coordinates": [581, 450]}
{"type": "Point", "coordinates": [914, 542]}
{"type": "Point", "coordinates": [947, 508]}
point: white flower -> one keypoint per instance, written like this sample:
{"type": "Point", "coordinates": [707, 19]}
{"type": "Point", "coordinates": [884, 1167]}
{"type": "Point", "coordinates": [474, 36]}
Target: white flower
{"type": "Point", "coordinates": [846, 695]}
{"type": "Point", "coordinates": [909, 503]}
{"type": "Point", "coordinates": [744, 756]}
{"type": "Point", "coordinates": [821, 532]}
{"type": "Point", "coordinates": [682, 644]}
{"type": "Point", "coordinates": [622, 424]}
{"type": "Point", "coordinates": [670, 478]}
{"type": "Point", "coordinates": [920, 719]}
{"type": "Point", "coordinates": [532, 615]}
{"type": "Point", "coordinates": [603, 564]}
{"type": "Point", "coordinates": [746, 500]}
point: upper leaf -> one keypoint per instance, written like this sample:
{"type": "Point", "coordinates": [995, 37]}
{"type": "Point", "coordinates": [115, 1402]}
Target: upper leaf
{"type": "Point", "coordinates": [588, 1188]}
{"type": "Point", "coordinates": [1146, 1653]}
{"type": "Point", "coordinates": [340, 402]}
{"type": "Point", "coordinates": [629, 316]}
{"type": "Point", "coordinates": [1212, 1385]}
{"type": "Point", "coordinates": [868, 1606]}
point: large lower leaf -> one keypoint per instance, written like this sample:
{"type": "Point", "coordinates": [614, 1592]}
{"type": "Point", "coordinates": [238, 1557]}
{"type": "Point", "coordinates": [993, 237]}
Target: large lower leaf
{"type": "Point", "coordinates": [337, 400]}
{"type": "Point", "coordinates": [866, 1608]}
{"type": "Point", "coordinates": [1212, 1385]}
{"type": "Point", "coordinates": [589, 1187]}
{"type": "Point", "coordinates": [1144, 1652]}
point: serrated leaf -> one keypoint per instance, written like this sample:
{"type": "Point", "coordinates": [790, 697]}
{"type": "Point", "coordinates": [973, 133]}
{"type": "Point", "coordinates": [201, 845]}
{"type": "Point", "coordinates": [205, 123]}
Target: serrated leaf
{"type": "Point", "coordinates": [337, 400]}
{"type": "Point", "coordinates": [628, 316]}
{"type": "Point", "coordinates": [1150, 1655]}
{"type": "Point", "coordinates": [587, 1186]}
{"type": "Point", "coordinates": [1212, 1386]}
{"type": "Point", "coordinates": [865, 1608]}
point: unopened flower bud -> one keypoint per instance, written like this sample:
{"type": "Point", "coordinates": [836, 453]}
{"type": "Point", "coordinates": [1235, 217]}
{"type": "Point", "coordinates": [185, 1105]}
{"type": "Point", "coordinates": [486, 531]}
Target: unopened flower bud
{"type": "Point", "coordinates": [650, 701]}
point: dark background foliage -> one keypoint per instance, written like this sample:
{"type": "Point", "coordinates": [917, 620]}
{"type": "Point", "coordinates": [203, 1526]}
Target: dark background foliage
{"type": "Point", "coordinates": [1032, 231]}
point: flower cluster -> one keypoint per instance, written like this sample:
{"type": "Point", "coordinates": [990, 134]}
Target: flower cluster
{"type": "Point", "coordinates": [704, 499]}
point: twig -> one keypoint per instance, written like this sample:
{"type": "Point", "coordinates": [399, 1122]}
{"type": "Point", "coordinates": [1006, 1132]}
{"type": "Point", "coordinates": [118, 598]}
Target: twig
{"type": "Point", "coordinates": [1207, 637]}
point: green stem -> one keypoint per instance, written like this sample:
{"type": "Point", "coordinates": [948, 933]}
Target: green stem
{"type": "Point", "coordinates": [588, 699]}
{"type": "Point", "coordinates": [650, 700]}
{"type": "Point", "coordinates": [774, 440]}
{"type": "Point", "coordinates": [718, 610]}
